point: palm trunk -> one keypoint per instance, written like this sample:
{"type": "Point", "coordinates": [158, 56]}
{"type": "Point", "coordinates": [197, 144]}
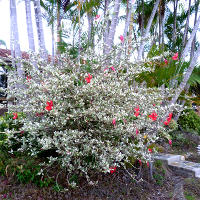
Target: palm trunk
{"type": "Point", "coordinates": [53, 43]}
{"type": "Point", "coordinates": [106, 32]}
{"type": "Point", "coordinates": [90, 27]}
{"type": "Point", "coordinates": [58, 26]}
{"type": "Point", "coordinates": [174, 25]}
{"type": "Point", "coordinates": [79, 32]}
{"type": "Point", "coordinates": [112, 30]}
{"type": "Point", "coordinates": [141, 48]}
{"type": "Point", "coordinates": [195, 20]}
{"type": "Point", "coordinates": [160, 25]}
{"type": "Point", "coordinates": [186, 76]}
{"type": "Point", "coordinates": [186, 26]}
{"type": "Point", "coordinates": [129, 8]}
{"type": "Point", "coordinates": [162, 11]}
{"type": "Point", "coordinates": [15, 35]}
{"type": "Point", "coordinates": [29, 25]}
{"type": "Point", "coordinates": [189, 43]}
{"type": "Point", "coordinates": [142, 19]}
{"type": "Point", "coordinates": [40, 31]}
{"type": "Point", "coordinates": [130, 33]}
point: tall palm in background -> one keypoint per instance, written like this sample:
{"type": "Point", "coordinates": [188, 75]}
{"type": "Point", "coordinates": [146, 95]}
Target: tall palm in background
{"type": "Point", "coordinates": [14, 35]}
{"type": "Point", "coordinates": [29, 25]}
{"type": "Point", "coordinates": [40, 31]}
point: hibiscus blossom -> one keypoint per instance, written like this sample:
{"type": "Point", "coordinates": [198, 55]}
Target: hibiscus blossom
{"type": "Point", "coordinates": [113, 169]}
{"type": "Point", "coordinates": [97, 17]}
{"type": "Point", "coordinates": [150, 150]}
{"type": "Point", "coordinates": [113, 69]}
{"type": "Point", "coordinates": [166, 61]}
{"type": "Point", "coordinates": [49, 105]}
{"type": "Point", "coordinates": [153, 116]}
{"type": "Point", "coordinates": [114, 122]}
{"type": "Point", "coordinates": [175, 57]}
{"type": "Point", "coordinates": [88, 78]}
{"type": "Point", "coordinates": [137, 111]}
{"type": "Point", "coordinates": [121, 37]}
{"type": "Point", "coordinates": [140, 162]}
{"type": "Point", "coordinates": [169, 118]}
{"type": "Point", "coordinates": [15, 116]}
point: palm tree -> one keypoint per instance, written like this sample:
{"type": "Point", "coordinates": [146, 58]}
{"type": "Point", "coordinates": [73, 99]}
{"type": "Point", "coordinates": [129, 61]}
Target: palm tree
{"type": "Point", "coordinates": [192, 36]}
{"type": "Point", "coordinates": [15, 46]}
{"type": "Point", "coordinates": [110, 40]}
{"type": "Point", "coordinates": [29, 25]}
{"type": "Point", "coordinates": [186, 77]}
{"type": "Point", "coordinates": [50, 17]}
{"type": "Point", "coordinates": [141, 48]}
{"type": "Point", "coordinates": [186, 26]}
{"type": "Point", "coordinates": [195, 19]}
{"type": "Point", "coordinates": [40, 31]}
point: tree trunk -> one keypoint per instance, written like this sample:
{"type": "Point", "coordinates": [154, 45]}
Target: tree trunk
{"type": "Point", "coordinates": [130, 33]}
{"type": "Point", "coordinates": [112, 30]}
{"type": "Point", "coordinates": [186, 76]}
{"type": "Point", "coordinates": [186, 26]}
{"type": "Point", "coordinates": [141, 48]}
{"type": "Point", "coordinates": [106, 32]}
{"type": "Point", "coordinates": [195, 20]}
{"type": "Point", "coordinates": [53, 43]}
{"type": "Point", "coordinates": [58, 26]}
{"type": "Point", "coordinates": [142, 19]}
{"type": "Point", "coordinates": [40, 31]}
{"type": "Point", "coordinates": [15, 35]}
{"type": "Point", "coordinates": [79, 32]}
{"type": "Point", "coordinates": [189, 43]}
{"type": "Point", "coordinates": [174, 25]}
{"type": "Point", "coordinates": [127, 23]}
{"type": "Point", "coordinates": [29, 25]}
{"type": "Point", "coordinates": [160, 25]}
{"type": "Point", "coordinates": [90, 27]}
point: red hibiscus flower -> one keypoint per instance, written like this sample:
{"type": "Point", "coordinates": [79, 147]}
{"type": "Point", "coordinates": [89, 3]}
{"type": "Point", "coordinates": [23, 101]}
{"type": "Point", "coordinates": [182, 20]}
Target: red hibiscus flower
{"type": "Point", "coordinates": [140, 162]}
{"type": "Point", "coordinates": [113, 169]}
{"type": "Point", "coordinates": [153, 116]}
{"type": "Point", "coordinates": [15, 116]}
{"type": "Point", "coordinates": [113, 69]}
{"type": "Point", "coordinates": [166, 123]}
{"type": "Point", "coordinates": [28, 78]}
{"type": "Point", "coordinates": [114, 122]}
{"type": "Point", "coordinates": [137, 131]}
{"type": "Point", "coordinates": [169, 118]}
{"type": "Point", "coordinates": [136, 113]}
{"type": "Point", "coordinates": [137, 109]}
{"type": "Point", "coordinates": [97, 17]}
{"type": "Point", "coordinates": [88, 78]}
{"type": "Point", "coordinates": [170, 142]}
{"type": "Point", "coordinates": [175, 57]}
{"type": "Point", "coordinates": [166, 61]}
{"type": "Point", "coordinates": [49, 105]}
{"type": "Point", "coordinates": [121, 37]}
{"type": "Point", "coordinates": [150, 150]}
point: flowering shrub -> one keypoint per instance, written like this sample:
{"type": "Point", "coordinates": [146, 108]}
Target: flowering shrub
{"type": "Point", "coordinates": [94, 121]}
